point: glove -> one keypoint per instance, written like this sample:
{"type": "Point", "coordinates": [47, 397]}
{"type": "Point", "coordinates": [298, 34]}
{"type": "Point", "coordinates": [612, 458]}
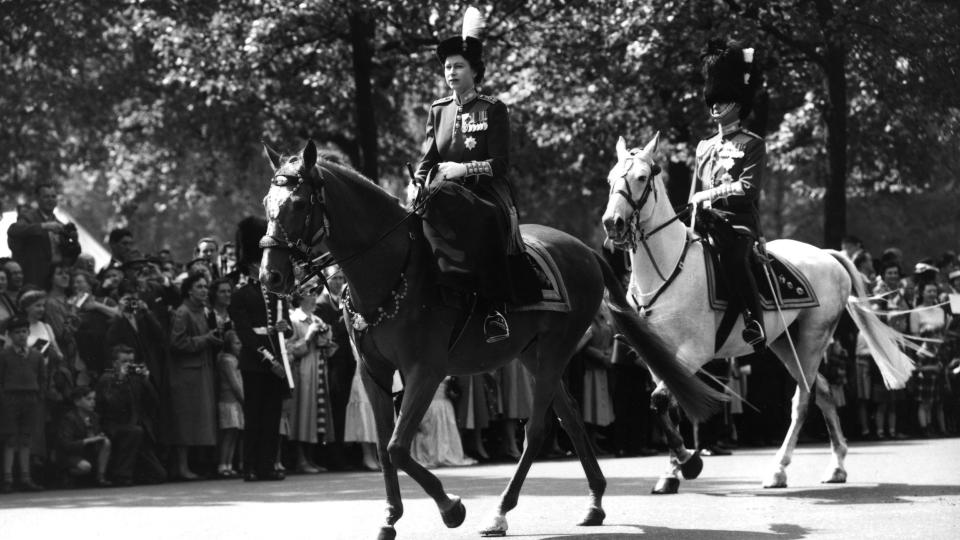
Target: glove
{"type": "Point", "coordinates": [448, 170]}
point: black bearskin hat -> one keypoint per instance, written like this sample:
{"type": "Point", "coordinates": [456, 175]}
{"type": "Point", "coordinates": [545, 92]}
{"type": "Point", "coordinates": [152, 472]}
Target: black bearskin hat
{"type": "Point", "coordinates": [468, 44]}
{"type": "Point", "coordinates": [249, 232]}
{"type": "Point", "coordinates": [730, 75]}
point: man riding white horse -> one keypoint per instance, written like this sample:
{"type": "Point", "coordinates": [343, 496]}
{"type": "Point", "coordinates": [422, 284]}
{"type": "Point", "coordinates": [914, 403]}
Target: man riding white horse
{"type": "Point", "coordinates": [729, 174]}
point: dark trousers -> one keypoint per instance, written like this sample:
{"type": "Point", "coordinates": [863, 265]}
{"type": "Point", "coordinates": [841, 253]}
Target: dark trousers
{"type": "Point", "coordinates": [631, 408]}
{"type": "Point", "coordinates": [263, 394]}
{"type": "Point", "coordinates": [736, 249]}
{"type": "Point", "coordinates": [132, 456]}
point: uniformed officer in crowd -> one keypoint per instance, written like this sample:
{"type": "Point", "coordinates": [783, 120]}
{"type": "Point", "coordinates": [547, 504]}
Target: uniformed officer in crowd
{"type": "Point", "coordinates": [729, 172]}
{"type": "Point", "coordinates": [253, 311]}
{"type": "Point", "coordinates": [471, 219]}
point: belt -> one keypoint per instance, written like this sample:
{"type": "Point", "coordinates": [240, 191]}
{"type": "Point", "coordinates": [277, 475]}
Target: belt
{"type": "Point", "coordinates": [260, 330]}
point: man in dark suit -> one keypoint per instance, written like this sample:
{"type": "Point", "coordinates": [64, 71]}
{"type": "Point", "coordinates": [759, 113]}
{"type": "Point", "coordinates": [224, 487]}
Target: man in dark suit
{"type": "Point", "coordinates": [38, 240]}
{"type": "Point", "coordinates": [255, 318]}
{"type": "Point", "coordinates": [138, 329]}
{"type": "Point", "coordinates": [128, 405]}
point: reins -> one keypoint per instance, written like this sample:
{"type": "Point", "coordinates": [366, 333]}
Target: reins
{"type": "Point", "coordinates": [639, 237]}
{"type": "Point", "coordinates": [314, 267]}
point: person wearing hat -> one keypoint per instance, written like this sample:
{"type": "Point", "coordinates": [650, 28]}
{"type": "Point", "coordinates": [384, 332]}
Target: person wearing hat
{"type": "Point", "coordinates": [729, 173]}
{"type": "Point", "coordinates": [471, 219]}
{"type": "Point", "coordinates": [253, 311]}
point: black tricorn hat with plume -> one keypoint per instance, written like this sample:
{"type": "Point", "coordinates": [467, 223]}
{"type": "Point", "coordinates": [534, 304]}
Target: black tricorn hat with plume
{"type": "Point", "coordinates": [469, 43]}
{"type": "Point", "coordinates": [730, 75]}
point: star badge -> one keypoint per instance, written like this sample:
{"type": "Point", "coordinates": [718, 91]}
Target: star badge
{"type": "Point", "coordinates": [470, 143]}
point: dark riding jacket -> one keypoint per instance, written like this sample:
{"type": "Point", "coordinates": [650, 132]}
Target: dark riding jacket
{"type": "Point", "coordinates": [475, 133]}
{"type": "Point", "coordinates": [742, 154]}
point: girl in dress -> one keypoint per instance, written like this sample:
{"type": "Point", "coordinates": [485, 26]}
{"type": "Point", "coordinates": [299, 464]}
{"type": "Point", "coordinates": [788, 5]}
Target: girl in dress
{"type": "Point", "coordinates": [437, 443]}
{"type": "Point", "coordinates": [359, 425]}
{"type": "Point", "coordinates": [230, 403]}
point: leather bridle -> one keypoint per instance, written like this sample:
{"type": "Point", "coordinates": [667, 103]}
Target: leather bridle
{"type": "Point", "coordinates": [635, 235]}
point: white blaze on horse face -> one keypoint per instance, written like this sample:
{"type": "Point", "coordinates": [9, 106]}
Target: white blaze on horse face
{"type": "Point", "coordinates": [276, 196]}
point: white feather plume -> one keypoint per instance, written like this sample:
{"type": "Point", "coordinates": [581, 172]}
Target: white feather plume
{"type": "Point", "coordinates": [474, 23]}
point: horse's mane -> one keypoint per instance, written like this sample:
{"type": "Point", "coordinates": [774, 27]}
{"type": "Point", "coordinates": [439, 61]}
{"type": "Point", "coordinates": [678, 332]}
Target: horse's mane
{"type": "Point", "coordinates": [348, 173]}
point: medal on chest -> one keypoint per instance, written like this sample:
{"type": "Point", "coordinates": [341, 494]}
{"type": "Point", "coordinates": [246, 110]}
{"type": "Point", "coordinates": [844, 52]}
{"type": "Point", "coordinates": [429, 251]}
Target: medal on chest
{"type": "Point", "coordinates": [470, 142]}
{"type": "Point", "coordinates": [727, 154]}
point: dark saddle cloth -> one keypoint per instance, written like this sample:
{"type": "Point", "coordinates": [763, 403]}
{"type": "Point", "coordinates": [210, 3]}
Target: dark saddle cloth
{"type": "Point", "coordinates": [793, 288]}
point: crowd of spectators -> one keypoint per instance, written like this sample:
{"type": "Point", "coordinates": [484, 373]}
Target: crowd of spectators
{"type": "Point", "coordinates": [131, 374]}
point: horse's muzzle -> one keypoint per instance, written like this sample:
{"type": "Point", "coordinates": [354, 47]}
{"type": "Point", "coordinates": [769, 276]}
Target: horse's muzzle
{"type": "Point", "coordinates": [615, 227]}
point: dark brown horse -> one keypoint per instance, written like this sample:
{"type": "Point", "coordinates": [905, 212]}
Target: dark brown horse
{"type": "Point", "coordinates": [401, 322]}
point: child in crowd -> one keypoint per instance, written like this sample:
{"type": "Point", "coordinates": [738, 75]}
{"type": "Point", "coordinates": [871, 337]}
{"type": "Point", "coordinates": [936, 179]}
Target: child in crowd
{"type": "Point", "coordinates": [230, 404]}
{"type": "Point", "coordinates": [834, 369]}
{"type": "Point", "coordinates": [80, 439]}
{"type": "Point", "coordinates": [21, 377]}
{"type": "Point", "coordinates": [437, 442]}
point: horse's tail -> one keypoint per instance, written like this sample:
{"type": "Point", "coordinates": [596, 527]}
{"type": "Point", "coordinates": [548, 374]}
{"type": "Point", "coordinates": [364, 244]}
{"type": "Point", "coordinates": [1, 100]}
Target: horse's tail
{"type": "Point", "coordinates": [886, 344]}
{"type": "Point", "coordinates": [698, 400]}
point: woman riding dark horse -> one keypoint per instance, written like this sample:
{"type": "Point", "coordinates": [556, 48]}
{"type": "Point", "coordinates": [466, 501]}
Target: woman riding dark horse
{"type": "Point", "coordinates": [470, 220]}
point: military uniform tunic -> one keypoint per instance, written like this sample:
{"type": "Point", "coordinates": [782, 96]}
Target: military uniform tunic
{"type": "Point", "coordinates": [738, 155]}
{"type": "Point", "coordinates": [471, 222]}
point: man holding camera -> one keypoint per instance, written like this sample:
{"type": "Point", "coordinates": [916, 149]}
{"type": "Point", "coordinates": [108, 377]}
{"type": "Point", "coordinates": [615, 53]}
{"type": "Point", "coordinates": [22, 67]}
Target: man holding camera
{"type": "Point", "coordinates": [39, 240]}
{"type": "Point", "coordinates": [138, 329]}
{"type": "Point", "coordinates": [128, 404]}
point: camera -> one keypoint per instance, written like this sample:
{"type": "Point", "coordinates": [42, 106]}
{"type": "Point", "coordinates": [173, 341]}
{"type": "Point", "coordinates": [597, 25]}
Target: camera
{"type": "Point", "coordinates": [135, 369]}
{"type": "Point", "coordinates": [130, 305]}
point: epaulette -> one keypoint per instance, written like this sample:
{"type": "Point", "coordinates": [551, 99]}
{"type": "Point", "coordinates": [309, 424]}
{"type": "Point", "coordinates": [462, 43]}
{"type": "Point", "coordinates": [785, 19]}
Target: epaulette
{"type": "Point", "coordinates": [489, 99]}
{"type": "Point", "coordinates": [749, 133]}
{"type": "Point", "coordinates": [442, 101]}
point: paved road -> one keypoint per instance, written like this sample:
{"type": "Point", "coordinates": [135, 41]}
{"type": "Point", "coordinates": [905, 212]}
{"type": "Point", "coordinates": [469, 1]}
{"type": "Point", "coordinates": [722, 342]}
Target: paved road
{"type": "Point", "coordinates": [897, 490]}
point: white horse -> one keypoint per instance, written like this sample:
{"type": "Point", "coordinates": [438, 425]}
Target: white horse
{"type": "Point", "coordinates": [669, 285]}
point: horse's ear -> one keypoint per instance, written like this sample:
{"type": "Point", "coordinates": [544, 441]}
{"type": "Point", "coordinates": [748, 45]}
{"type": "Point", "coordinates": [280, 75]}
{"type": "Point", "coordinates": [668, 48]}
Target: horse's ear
{"type": "Point", "coordinates": [272, 155]}
{"type": "Point", "coordinates": [651, 148]}
{"type": "Point", "coordinates": [308, 156]}
{"type": "Point", "coordinates": [622, 153]}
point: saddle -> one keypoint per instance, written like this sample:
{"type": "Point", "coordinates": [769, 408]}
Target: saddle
{"type": "Point", "coordinates": [793, 290]}
{"type": "Point", "coordinates": [537, 283]}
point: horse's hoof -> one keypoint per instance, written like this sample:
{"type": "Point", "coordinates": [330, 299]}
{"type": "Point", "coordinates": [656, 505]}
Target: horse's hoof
{"type": "Point", "coordinates": [778, 480]}
{"type": "Point", "coordinates": [666, 485]}
{"type": "Point", "coordinates": [692, 468]}
{"type": "Point", "coordinates": [838, 476]}
{"type": "Point", "coordinates": [454, 517]}
{"type": "Point", "coordinates": [499, 527]}
{"type": "Point", "coordinates": [594, 517]}
{"type": "Point", "coordinates": [387, 533]}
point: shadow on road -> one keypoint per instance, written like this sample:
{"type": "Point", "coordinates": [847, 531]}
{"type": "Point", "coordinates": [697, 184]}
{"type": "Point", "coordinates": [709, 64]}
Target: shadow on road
{"type": "Point", "coordinates": [878, 494]}
{"type": "Point", "coordinates": [778, 531]}
{"type": "Point", "coordinates": [333, 487]}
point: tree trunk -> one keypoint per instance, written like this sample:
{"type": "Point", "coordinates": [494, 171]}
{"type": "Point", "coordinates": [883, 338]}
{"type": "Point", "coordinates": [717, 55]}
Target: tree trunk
{"type": "Point", "coordinates": [835, 199]}
{"type": "Point", "coordinates": [361, 38]}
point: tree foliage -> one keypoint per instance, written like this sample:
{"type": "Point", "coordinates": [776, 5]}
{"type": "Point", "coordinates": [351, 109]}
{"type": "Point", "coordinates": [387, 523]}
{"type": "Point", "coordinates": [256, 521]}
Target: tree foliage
{"type": "Point", "coordinates": [152, 112]}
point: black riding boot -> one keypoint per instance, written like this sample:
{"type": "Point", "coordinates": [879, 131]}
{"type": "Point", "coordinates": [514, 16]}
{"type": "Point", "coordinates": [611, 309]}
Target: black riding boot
{"type": "Point", "coordinates": [495, 327]}
{"type": "Point", "coordinates": [753, 332]}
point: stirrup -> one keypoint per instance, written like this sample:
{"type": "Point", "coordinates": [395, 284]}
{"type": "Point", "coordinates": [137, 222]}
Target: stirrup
{"type": "Point", "coordinates": [495, 327]}
{"type": "Point", "coordinates": [753, 333]}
